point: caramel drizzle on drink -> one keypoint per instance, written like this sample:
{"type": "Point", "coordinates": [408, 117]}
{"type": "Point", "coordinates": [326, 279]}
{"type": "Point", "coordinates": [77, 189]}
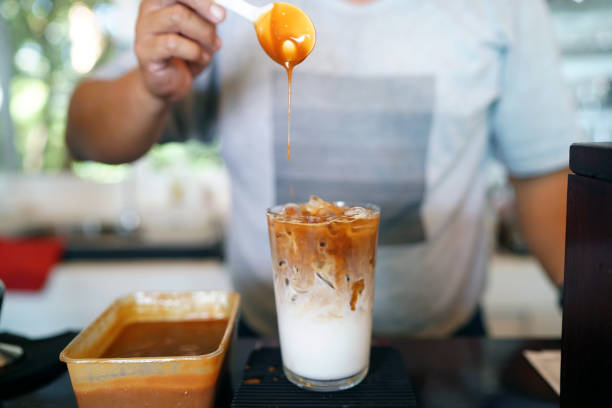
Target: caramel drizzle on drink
{"type": "Point", "coordinates": [357, 288]}
{"type": "Point", "coordinates": [320, 246]}
{"type": "Point", "coordinates": [288, 36]}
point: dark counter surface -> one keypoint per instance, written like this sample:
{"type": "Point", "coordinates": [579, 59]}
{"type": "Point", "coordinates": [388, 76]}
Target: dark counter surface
{"type": "Point", "coordinates": [458, 372]}
{"type": "Point", "coordinates": [121, 250]}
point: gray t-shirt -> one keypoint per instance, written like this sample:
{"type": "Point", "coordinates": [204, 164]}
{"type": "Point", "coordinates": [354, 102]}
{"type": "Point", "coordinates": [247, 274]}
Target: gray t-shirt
{"type": "Point", "coordinates": [400, 104]}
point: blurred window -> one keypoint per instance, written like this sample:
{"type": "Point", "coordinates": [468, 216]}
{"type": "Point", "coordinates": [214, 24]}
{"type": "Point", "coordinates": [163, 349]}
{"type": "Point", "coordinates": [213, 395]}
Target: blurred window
{"type": "Point", "coordinates": [584, 32]}
{"type": "Point", "coordinates": [46, 47]}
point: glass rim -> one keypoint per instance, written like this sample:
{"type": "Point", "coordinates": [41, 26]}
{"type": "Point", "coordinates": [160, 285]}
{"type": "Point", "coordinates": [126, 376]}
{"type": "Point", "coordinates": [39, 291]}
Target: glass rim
{"type": "Point", "coordinates": [275, 209]}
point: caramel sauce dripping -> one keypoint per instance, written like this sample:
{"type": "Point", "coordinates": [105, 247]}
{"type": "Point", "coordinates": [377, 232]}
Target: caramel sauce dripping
{"type": "Point", "coordinates": [357, 288]}
{"type": "Point", "coordinates": [287, 35]}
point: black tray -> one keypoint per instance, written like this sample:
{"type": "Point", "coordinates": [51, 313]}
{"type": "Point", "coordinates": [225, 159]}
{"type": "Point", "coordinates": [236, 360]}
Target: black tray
{"type": "Point", "coordinates": [265, 385]}
{"type": "Point", "coordinates": [38, 366]}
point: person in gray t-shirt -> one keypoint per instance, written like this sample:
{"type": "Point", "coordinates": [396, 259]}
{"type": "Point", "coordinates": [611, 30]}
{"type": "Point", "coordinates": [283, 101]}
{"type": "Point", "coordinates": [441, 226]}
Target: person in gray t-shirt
{"type": "Point", "coordinates": [401, 104]}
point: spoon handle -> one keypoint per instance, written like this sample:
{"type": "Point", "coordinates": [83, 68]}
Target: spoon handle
{"type": "Point", "coordinates": [246, 10]}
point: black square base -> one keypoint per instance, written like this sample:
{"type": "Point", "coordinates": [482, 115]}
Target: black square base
{"type": "Point", "coordinates": [265, 385]}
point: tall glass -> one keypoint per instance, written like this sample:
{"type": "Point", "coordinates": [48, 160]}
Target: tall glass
{"type": "Point", "coordinates": [324, 258]}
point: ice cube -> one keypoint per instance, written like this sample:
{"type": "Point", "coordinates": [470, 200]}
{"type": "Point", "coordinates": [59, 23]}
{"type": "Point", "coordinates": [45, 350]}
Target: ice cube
{"type": "Point", "coordinates": [298, 282]}
{"type": "Point", "coordinates": [314, 219]}
{"type": "Point", "coordinates": [316, 202]}
{"type": "Point", "coordinates": [292, 209]}
{"type": "Point", "coordinates": [356, 212]}
{"type": "Point", "coordinates": [325, 280]}
{"type": "Point", "coordinates": [318, 207]}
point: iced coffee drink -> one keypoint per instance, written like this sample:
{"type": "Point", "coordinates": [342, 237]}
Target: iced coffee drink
{"type": "Point", "coordinates": [324, 256]}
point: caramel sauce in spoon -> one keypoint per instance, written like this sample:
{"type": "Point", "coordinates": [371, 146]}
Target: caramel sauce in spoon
{"type": "Point", "coordinates": [287, 35]}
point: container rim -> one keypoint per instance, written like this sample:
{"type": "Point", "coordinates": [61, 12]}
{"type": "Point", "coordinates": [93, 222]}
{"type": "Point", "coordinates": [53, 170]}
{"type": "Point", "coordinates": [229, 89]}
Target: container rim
{"type": "Point", "coordinates": [229, 331]}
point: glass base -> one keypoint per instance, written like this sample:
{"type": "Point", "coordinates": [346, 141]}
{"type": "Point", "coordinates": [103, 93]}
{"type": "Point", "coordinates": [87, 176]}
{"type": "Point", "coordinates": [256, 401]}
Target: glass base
{"type": "Point", "coordinates": [325, 385]}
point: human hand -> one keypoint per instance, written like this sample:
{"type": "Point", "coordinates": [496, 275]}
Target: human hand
{"type": "Point", "coordinates": [175, 40]}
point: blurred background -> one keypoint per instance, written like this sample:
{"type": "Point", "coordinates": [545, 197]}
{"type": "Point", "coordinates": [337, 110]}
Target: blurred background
{"type": "Point", "coordinates": [158, 223]}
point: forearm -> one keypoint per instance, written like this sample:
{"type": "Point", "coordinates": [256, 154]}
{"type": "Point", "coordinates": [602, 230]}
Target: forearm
{"type": "Point", "coordinates": [541, 205]}
{"type": "Point", "coordinates": [114, 121]}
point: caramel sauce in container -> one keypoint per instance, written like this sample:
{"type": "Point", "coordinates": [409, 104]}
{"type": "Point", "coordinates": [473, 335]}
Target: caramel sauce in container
{"type": "Point", "coordinates": [153, 349]}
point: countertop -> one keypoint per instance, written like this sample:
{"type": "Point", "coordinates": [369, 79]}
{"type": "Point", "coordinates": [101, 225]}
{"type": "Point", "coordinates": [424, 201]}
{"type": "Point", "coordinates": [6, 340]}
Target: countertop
{"type": "Point", "coordinates": [459, 372]}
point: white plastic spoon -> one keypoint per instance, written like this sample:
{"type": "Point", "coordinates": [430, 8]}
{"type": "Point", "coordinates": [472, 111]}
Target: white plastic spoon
{"type": "Point", "coordinates": [246, 10]}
